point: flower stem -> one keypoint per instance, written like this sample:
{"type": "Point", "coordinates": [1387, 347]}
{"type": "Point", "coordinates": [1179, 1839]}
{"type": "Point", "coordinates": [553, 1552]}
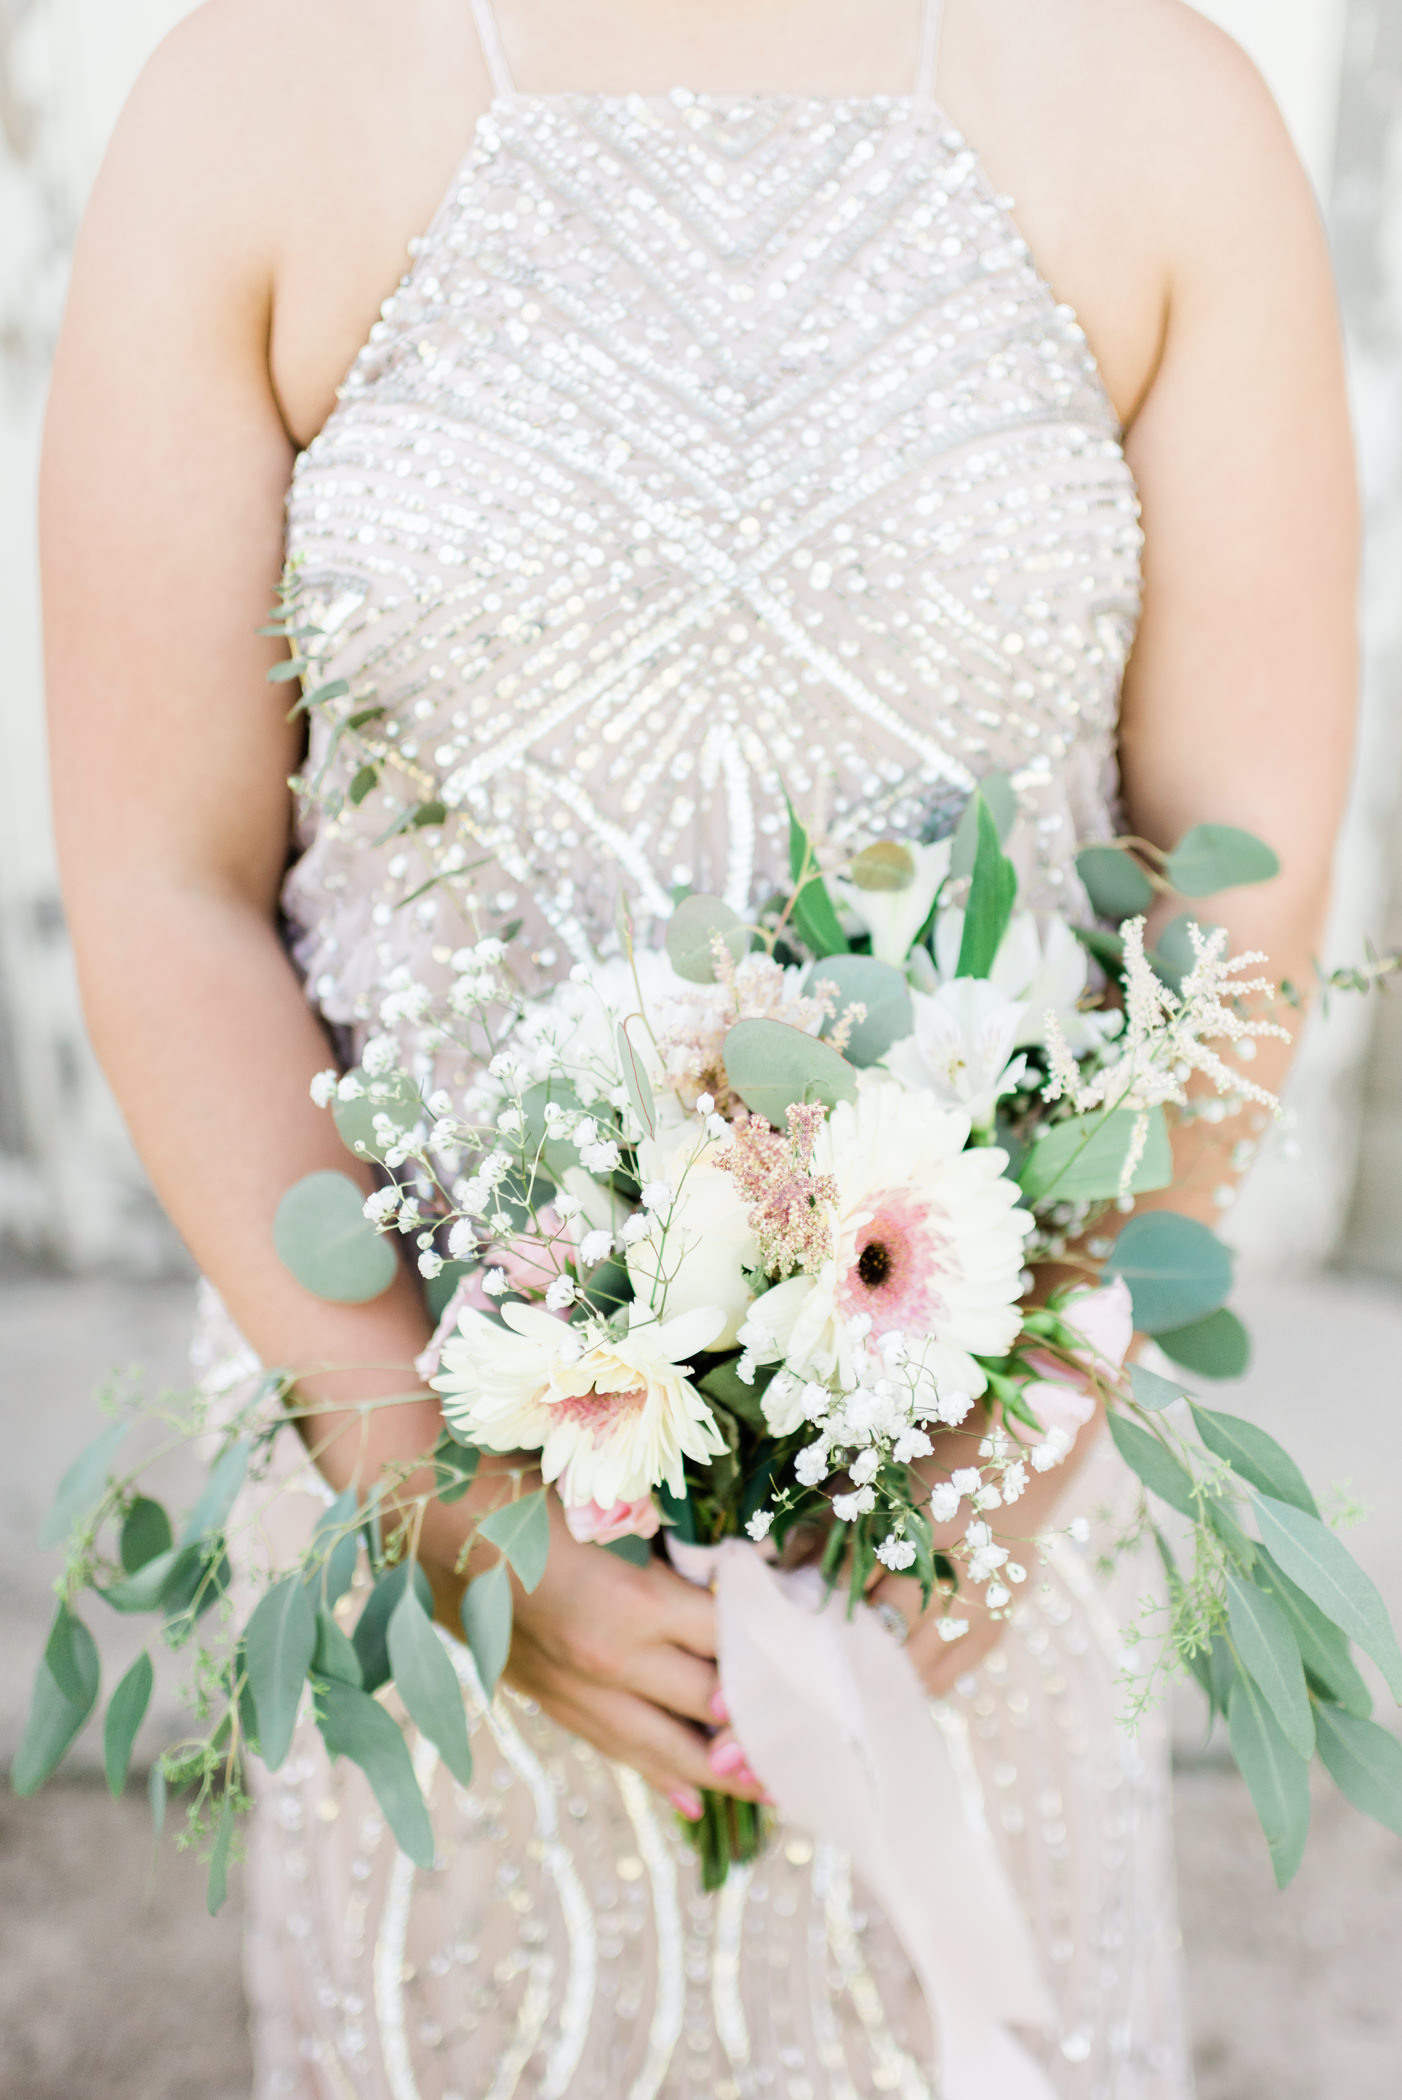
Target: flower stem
{"type": "Point", "coordinates": [730, 1833]}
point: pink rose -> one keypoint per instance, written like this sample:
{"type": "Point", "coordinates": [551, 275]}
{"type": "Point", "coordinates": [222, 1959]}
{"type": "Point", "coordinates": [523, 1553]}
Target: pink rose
{"type": "Point", "coordinates": [592, 1525]}
{"type": "Point", "coordinates": [1104, 1319]}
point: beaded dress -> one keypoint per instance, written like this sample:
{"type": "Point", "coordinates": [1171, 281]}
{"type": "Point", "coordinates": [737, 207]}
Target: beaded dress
{"type": "Point", "coordinates": [711, 447]}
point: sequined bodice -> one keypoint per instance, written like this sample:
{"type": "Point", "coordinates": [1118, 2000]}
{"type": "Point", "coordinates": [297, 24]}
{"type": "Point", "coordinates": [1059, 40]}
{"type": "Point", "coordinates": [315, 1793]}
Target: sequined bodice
{"type": "Point", "coordinates": [710, 450]}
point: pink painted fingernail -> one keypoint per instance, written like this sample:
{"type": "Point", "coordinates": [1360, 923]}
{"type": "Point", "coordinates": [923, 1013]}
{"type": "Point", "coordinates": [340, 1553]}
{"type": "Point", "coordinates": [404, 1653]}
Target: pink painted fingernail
{"type": "Point", "coordinates": [687, 1802]}
{"type": "Point", "coordinates": [727, 1758]}
{"type": "Point", "coordinates": [719, 1710]}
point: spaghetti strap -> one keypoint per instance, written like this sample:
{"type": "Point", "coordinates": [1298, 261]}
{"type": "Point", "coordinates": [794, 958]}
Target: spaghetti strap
{"type": "Point", "coordinates": [489, 36]}
{"type": "Point", "coordinates": [928, 64]}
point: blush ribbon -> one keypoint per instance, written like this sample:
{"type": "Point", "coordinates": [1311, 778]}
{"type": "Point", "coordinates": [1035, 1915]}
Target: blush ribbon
{"type": "Point", "coordinates": [837, 1725]}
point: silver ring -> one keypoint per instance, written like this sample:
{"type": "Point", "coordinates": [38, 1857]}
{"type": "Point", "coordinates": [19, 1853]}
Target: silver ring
{"type": "Point", "coordinates": [893, 1620]}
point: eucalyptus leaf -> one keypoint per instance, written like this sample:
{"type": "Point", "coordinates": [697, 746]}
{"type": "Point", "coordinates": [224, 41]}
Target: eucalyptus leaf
{"type": "Point", "coordinates": [334, 1654]}
{"type": "Point", "coordinates": [771, 1066]}
{"type": "Point", "coordinates": [218, 1495]}
{"type": "Point", "coordinates": [218, 1887]}
{"type": "Point", "coordinates": [1323, 1647]}
{"type": "Point", "coordinates": [1214, 857]}
{"type": "Point", "coordinates": [1000, 796]}
{"type": "Point", "coordinates": [279, 1643]}
{"type": "Point", "coordinates": [635, 1079]}
{"type": "Point", "coordinates": [521, 1530]}
{"type": "Point", "coordinates": [1152, 1392]}
{"type": "Point", "coordinates": [1162, 1473]}
{"type": "Point", "coordinates": [427, 1684]}
{"type": "Point", "coordinates": [198, 1579]}
{"type": "Point", "coordinates": [371, 1637]}
{"type": "Point", "coordinates": [356, 1726]}
{"type": "Point", "coordinates": [71, 1654]}
{"type": "Point", "coordinates": [1255, 1456]}
{"type": "Point", "coordinates": [146, 1532]}
{"type": "Point", "coordinates": [992, 895]}
{"type": "Point", "coordinates": [323, 1236]}
{"type": "Point", "coordinates": [486, 1621]}
{"type": "Point", "coordinates": [1082, 1159]}
{"type": "Point", "coordinates": [1217, 1347]}
{"type": "Point", "coordinates": [1264, 1641]}
{"type": "Point", "coordinates": [52, 1724]}
{"type": "Point", "coordinates": [882, 990]}
{"type": "Point", "coordinates": [814, 914]}
{"type": "Point", "coordinates": [126, 1710]}
{"type": "Point", "coordinates": [637, 1552]}
{"type": "Point", "coordinates": [1364, 1762]}
{"type": "Point", "coordinates": [392, 1094]}
{"type": "Point", "coordinates": [335, 1549]}
{"type": "Point", "coordinates": [1173, 955]}
{"type": "Point", "coordinates": [144, 1590]}
{"type": "Point", "coordinates": [1311, 1555]}
{"type": "Point", "coordinates": [691, 933]}
{"type": "Point", "coordinates": [454, 1467]}
{"type": "Point", "coordinates": [1177, 1270]}
{"type": "Point", "coordinates": [1221, 1515]}
{"type": "Point", "coordinates": [82, 1486]}
{"type": "Point", "coordinates": [1115, 882]}
{"type": "Point", "coordinates": [1223, 1673]}
{"type": "Point", "coordinates": [1277, 1776]}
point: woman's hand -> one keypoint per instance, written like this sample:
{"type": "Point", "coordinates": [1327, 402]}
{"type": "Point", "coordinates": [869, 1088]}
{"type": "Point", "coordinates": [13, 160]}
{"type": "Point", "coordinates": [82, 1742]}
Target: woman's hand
{"type": "Point", "coordinates": [626, 1658]}
{"type": "Point", "coordinates": [939, 1663]}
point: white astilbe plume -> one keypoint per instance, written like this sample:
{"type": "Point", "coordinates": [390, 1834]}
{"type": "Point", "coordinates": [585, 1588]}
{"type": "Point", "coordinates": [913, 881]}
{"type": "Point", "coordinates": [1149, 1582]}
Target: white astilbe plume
{"type": "Point", "coordinates": [1166, 1037]}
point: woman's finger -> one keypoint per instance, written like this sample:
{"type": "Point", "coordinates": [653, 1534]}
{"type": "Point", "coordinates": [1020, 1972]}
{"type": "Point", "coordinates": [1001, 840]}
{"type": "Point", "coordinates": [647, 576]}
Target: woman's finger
{"type": "Point", "coordinates": [672, 1678]}
{"type": "Point", "coordinates": [686, 1614]}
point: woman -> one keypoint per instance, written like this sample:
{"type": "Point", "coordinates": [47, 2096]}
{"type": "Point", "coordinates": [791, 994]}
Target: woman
{"type": "Point", "coordinates": [754, 403]}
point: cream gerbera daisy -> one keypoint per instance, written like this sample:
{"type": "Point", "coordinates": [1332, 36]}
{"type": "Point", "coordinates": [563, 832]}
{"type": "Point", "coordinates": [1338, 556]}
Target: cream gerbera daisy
{"type": "Point", "coordinates": [610, 1418]}
{"type": "Point", "coordinates": [927, 1242]}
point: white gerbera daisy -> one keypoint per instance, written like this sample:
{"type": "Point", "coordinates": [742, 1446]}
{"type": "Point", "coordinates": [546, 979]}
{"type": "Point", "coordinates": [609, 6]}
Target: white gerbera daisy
{"type": "Point", "coordinates": [611, 1419]}
{"type": "Point", "coordinates": [927, 1241]}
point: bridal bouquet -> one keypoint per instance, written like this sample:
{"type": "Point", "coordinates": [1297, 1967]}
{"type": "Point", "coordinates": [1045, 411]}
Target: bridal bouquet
{"type": "Point", "coordinates": [731, 1237]}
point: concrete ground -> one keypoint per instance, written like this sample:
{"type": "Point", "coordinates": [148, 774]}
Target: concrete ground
{"type": "Point", "coordinates": [114, 1985]}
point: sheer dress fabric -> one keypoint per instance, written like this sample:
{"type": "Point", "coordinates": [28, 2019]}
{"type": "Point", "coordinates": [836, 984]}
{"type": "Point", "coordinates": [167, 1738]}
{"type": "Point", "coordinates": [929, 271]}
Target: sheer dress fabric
{"type": "Point", "coordinates": [711, 447]}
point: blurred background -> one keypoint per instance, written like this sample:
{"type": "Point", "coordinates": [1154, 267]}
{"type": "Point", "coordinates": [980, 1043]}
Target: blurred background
{"type": "Point", "coordinates": [113, 1984]}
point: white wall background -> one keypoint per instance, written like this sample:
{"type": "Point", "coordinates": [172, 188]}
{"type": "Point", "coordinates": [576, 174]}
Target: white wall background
{"type": "Point", "coordinates": [67, 1181]}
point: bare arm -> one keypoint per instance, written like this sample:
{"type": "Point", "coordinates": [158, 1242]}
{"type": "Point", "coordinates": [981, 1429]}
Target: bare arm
{"type": "Point", "coordinates": [1239, 703]}
{"type": "Point", "coordinates": [166, 463]}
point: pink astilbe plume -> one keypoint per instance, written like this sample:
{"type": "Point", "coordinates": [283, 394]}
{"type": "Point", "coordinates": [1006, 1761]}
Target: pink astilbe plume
{"type": "Point", "coordinates": [789, 1214]}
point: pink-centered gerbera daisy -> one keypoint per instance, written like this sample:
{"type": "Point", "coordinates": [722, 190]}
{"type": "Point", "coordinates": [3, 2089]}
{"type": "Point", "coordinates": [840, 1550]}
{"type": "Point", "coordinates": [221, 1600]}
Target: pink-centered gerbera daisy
{"type": "Point", "coordinates": [612, 1417]}
{"type": "Point", "coordinates": [927, 1242]}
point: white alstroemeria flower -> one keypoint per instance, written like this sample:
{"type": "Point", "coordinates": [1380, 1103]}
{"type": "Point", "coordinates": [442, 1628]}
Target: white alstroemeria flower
{"type": "Point", "coordinates": [611, 1419]}
{"type": "Point", "coordinates": [891, 890]}
{"type": "Point", "coordinates": [700, 1244]}
{"type": "Point", "coordinates": [1044, 967]}
{"type": "Point", "coordinates": [961, 1049]}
